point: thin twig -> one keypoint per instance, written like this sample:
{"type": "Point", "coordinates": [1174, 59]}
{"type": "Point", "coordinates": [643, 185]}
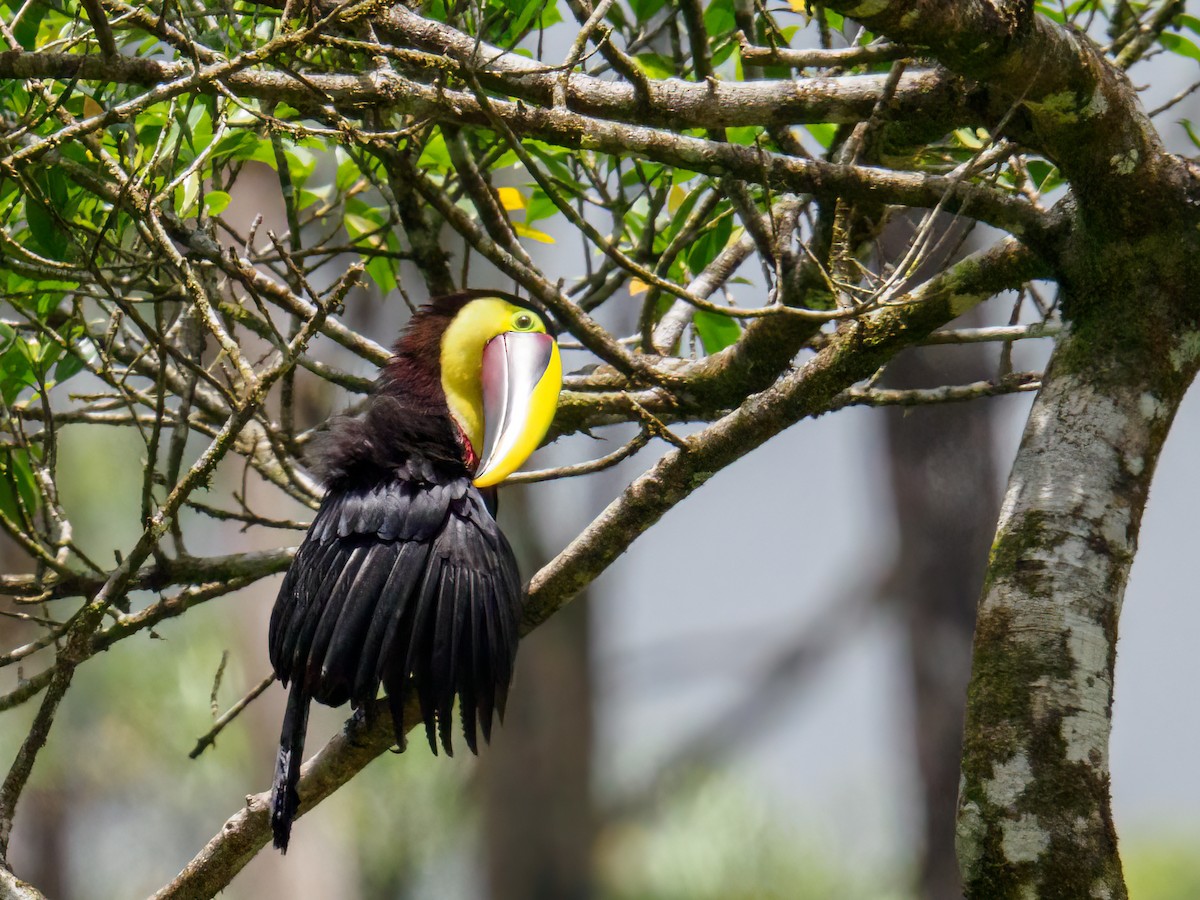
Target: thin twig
{"type": "Point", "coordinates": [607, 461]}
{"type": "Point", "coordinates": [843, 57]}
{"type": "Point", "coordinates": [209, 738]}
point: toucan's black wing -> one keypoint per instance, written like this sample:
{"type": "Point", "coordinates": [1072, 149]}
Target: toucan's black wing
{"type": "Point", "coordinates": [405, 582]}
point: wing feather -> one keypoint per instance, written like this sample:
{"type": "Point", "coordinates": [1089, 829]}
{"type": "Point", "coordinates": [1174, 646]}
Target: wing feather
{"type": "Point", "coordinates": [333, 666]}
{"type": "Point", "coordinates": [441, 665]}
{"type": "Point", "coordinates": [314, 564]}
{"type": "Point", "coordinates": [392, 609]}
{"type": "Point", "coordinates": [487, 674]}
{"type": "Point", "coordinates": [465, 674]}
{"type": "Point", "coordinates": [325, 589]}
{"type": "Point", "coordinates": [347, 634]}
{"type": "Point", "coordinates": [407, 583]}
{"type": "Point", "coordinates": [420, 642]}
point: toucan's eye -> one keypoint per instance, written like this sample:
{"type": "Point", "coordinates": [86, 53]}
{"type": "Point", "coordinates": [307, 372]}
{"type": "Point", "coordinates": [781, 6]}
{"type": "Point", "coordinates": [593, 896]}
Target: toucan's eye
{"type": "Point", "coordinates": [523, 321]}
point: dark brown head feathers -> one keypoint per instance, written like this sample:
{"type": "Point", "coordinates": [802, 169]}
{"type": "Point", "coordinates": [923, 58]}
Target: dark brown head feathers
{"type": "Point", "coordinates": [407, 413]}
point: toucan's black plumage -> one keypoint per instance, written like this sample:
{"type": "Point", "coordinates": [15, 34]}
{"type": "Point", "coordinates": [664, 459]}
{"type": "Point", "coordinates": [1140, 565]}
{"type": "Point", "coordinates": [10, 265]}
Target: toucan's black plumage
{"type": "Point", "coordinates": [404, 578]}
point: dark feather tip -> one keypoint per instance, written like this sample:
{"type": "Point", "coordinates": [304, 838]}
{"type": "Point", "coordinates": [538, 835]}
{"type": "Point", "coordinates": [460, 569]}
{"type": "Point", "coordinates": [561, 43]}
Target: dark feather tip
{"type": "Point", "coordinates": [284, 803]}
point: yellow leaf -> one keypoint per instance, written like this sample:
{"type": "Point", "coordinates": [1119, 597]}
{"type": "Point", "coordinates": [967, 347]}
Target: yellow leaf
{"type": "Point", "coordinates": [510, 198]}
{"type": "Point", "coordinates": [800, 6]}
{"type": "Point", "coordinates": [525, 231]}
{"type": "Point", "coordinates": [637, 286]}
{"type": "Point", "coordinates": [675, 199]}
{"type": "Point", "coordinates": [91, 108]}
{"type": "Point", "coordinates": [969, 139]}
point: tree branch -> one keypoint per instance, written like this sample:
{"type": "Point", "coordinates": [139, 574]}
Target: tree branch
{"type": "Point", "coordinates": [671, 104]}
{"type": "Point", "coordinates": [1085, 114]}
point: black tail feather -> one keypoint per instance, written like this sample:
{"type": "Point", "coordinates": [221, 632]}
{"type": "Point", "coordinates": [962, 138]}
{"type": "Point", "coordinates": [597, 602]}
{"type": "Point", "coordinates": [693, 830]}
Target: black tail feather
{"type": "Point", "coordinates": [285, 800]}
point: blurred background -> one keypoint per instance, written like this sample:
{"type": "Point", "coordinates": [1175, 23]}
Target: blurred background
{"type": "Point", "coordinates": [761, 699]}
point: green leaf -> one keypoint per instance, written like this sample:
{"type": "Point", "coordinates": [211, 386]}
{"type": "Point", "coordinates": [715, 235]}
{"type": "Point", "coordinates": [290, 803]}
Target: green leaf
{"type": "Point", "coordinates": [1045, 175]}
{"type": "Point", "coordinates": [262, 152]}
{"type": "Point", "coordinates": [435, 155]}
{"type": "Point", "coordinates": [823, 133]}
{"type": "Point", "coordinates": [69, 365]}
{"type": "Point", "coordinates": [200, 127]}
{"type": "Point", "coordinates": [745, 135]}
{"type": "Point", "coordinates": [711, 241]}
{"type": "Point", "coordinates": [364, 221]}
{"type": "Point", "coordinates": [187, 194]}
{"type": "Point", "coordinates": [655, 65]}
{"type": "Point", "coordinates": [525, 17]}
{"type": "Point", "coordinates": [306, 198]}
{"type": "Point", "coordinates": [504, 160]}
{"type": "Point", "coordinates": [551, 15]}
{"type": "Point", "coordinates": [16, 371]}
{"type": "Point", "coordinates": [684, 209]}
{"type": "Point", "coordinates": [539, 206]}
{"type": "Point", "coordinates": [1191, 131]}
{"type": "Point", "coordinates": [555, 159]}
{"type": "Point", "coordinates": [302, 161]}
{"type": "Point", "coordinates": [1052, 12]}
{"type": "Point", "coordinates": [348, 174]}
{"type": "Point", "coordinates": [36, 296]}
{"type": "Point", "coordinates": [18, 488]}
{"type": "Point", "coordinates": [39, 357]}
{"type": "Point", "coordinates": [43, 214]}
{"type": "Point", "coordinates": [723, 52]}
{"type": "Point", "coordinates": [718, 18]}
{"type": "Point", "coordinates": [48, 356]}
{"type": "Point", "coordinates": [239, 145]}
{"type": "Point", "coordinates": [26, 31]}
{"type": "Point", "coordinates": [1180, 45]}
{"type": "Point", "coordinates": [47, 301]}
{"type": "Point", "coordinates": [215, 202]}
{"type": "Point", "coordinates": [644, 9]}
{"type": "Point", "coordinates": [48, 239]}
{"type": "Point", "coordinates": [716, 331]}
{"type": "Point", "coordinates": [382, 270]}
{"type": "Point", "coordinates": [646, 173]}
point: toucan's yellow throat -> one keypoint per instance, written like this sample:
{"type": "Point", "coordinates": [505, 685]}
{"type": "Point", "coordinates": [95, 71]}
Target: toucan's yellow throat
{"type": "Point", "coordinates": [501, 374]}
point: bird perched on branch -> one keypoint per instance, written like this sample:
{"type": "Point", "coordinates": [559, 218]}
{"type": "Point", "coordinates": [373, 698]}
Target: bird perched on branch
{"type": "Point", "coordinates": [404, 578]}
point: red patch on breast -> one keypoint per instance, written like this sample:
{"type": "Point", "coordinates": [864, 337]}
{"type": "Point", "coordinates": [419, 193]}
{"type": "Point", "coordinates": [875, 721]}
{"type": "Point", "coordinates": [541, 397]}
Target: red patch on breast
{"type": "Point", "coordinates": [470, 457]}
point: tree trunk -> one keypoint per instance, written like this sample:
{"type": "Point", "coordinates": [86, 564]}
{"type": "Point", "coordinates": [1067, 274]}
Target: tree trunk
{"type": "Point", "coordinates": [1034, 811]}
{"type": "Point", "coordinates": [944, 488]}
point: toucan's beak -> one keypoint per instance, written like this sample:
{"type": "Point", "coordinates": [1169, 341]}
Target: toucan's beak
{"type": "Point", "coordinates": [522, 375]}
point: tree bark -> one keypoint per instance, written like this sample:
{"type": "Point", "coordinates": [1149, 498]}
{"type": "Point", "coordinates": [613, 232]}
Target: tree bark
{"type": "Point", "coordinates": [1034, 816]}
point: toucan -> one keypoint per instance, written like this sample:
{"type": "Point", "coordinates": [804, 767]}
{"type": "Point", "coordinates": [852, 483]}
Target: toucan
{"type": "Point", "coordinates": [404, 579]}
